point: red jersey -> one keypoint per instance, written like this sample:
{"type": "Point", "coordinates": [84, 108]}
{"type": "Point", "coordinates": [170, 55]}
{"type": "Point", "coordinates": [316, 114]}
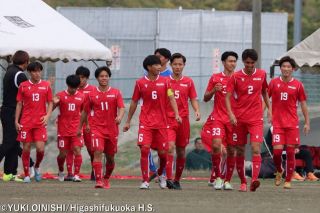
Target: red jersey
{"type": "Point", "coordinates": [103, 108]}
{"type": "Point", "coordinates": [34, 98]}
{"type": "Point", "coordinates": [154, 96]}
{"type": "Point", "coordinates": [285, 97]}
{"type": "Point", "coordinates": [86, 89]}
{"type": "Point", "coordinates": [246, 90]}
{"type": "Point", "coordinates": [70, 113]}
{"type": "Point", "coordinates": [184, 89]}
{"type": "Point", "coordinates": [219, 106]}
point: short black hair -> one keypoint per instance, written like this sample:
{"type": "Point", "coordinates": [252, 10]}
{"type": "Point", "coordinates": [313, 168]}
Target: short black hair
{"type": "Point", "coordinates": [196, 140]}
{"type": "Point", "coordinates": [150, 60]}
{"type": "Point", "coordinates": [226, 54]}
{"type": "Point", "coordinates": [73, 81]}
{"type": "Point", "coordinates": [100, 69]}
{"type": "Point", "coordinates": [33, 66]}
{"type": "Point", "coordinates": [84, 71]}
{"type": "Point", "coordinates": [250, 53]}
{"type": "Point", "coordinates": [164, 52]}
{"type": "Point", "coordinates": [20, 57]}
{"type": "Point", "coordinates": [288, 59]}
{"type": "Point", "coordinates": [178, 55]}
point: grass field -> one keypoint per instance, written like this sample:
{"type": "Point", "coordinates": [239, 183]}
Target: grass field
{"type": "Point", "coordinates": [196, 196]}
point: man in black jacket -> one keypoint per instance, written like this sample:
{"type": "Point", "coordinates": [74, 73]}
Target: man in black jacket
{"type": "Point", "coordinates": [10, 148]}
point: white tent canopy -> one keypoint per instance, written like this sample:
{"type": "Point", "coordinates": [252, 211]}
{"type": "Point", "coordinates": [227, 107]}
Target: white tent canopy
{"type": "Point", "coordinates": [35, 27]}
{"type": "Point", "coordinates": [307, 52]}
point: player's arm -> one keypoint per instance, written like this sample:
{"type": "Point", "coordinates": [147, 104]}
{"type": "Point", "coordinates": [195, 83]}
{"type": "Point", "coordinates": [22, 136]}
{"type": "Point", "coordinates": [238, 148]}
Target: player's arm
{"type": "Point", "coordinates": [132, 109]}
{"type": "Point", "coordinates": [56, 101]}
{"type": "Point", "coordinates": [83, 119]}
{"type": "Point", "coordinates": [195, 106]}
{"type": "Point", "coordinates": [209, 94]}
{"type": "Point", "coordinates": [120, 115]}
{"type": "Point", "coordinates": [231, 115]}
{"type": "Point", "coordinates": [44, 119]}
{"type": "Point", "coordinates": [305, 112]}
{"type": "Point", "coordinates": [174, 105]}
{"type": "Point", "coordinates": [267, 104]}
{"type": "Point", "coordinates": [17, 115]}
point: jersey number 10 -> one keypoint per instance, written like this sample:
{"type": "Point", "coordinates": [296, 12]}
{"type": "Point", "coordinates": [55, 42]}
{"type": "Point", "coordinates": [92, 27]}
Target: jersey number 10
{"type": "Point", "coordinates": [71, 107]}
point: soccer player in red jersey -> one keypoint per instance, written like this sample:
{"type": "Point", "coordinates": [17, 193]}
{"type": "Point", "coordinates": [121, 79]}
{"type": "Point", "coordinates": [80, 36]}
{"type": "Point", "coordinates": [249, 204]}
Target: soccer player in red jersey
{"type": "Point", "coordinates": [85, 88]}
{"type": "Point", "coordinates": [179, 134]}
{"type": "Point", "coordinates": [106, 108]}
{"type": "Point", "coordinates": [285, 92]}
{"type": "Point", "coordinates": [154, 90]}
{"type": "Point", "coordinates": [247, 86]}
{"type": "Point", "coordinates": [220, 126]}
{"type": "Point", "coordinates": [70, 103]}
{"type": "Point", "coordinates": [32, 116]}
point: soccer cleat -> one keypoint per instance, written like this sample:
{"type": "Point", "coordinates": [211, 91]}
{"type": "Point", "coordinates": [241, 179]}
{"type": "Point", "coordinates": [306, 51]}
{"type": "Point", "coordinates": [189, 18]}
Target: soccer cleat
{"type": "Point", "coordinates": [31, 171]}
{"type": "Point", "coordinates": [287, 185]}
{"type": "Point", "coordinates": [16, 178]}
{"type": "Point", "coordinates": [254, 185]}
{"type": "Point", "coordinates": [243, 187]}
{"type": "Point", "coordinates": [99, 184]}
{"type": "Point", "coordinates": [106, 184]}
{"type": "Point", "coordinates": [297, 177]}
{"type": "Point", "coordinates": [7, 177]}
{"type": "Point", "coordinates": [37, 175]}
{"type": "Point", "coordinates": [227, 186]}
{"type": "Point", "coordinates": [170, 184]}
{"type": "Point", "coordinates": [278, 178]}
{"type": "Point", "coordinates": [211, 183]}
{"type": "Point", "coordinates": [218, 184]}
{"type": "Point", "coordinates": [76, 178]}
{"type": "Point", "coordinates": [144, 185]}
{"type": "Point", "coordinates": [311, 177]}
{"type": "Point", "coordinates": [27, 179]}
{"type": "Point", "coordinates": [176, 185]}
{"type": "Point", "coordinates": [60, 176]}
{"type": "Point", "coordinates": [162, 181]}
{"type": "Point", "coordinates": [69, 177]}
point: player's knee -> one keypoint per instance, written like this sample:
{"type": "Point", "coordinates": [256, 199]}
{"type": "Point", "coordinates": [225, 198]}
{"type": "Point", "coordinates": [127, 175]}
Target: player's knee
{"type": "Point", "coordinates": [76, 150]}
{"type": "Point", "coordinates": [144, 150]}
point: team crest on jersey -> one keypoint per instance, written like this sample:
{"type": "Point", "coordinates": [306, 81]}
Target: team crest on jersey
{"type": "Point", "coordinates": [242, 79]}
{"type": "Point", "coordinates": [278, 85]}
{"type": "Point", "coordinates": [97, 96]}
{"type": "Point", "coordinates": [160, 84]}
{"type": "Point", "coordinates": [221, 79]}
{"type": "Point", "coordinates": [29, 87]}
{"type": "Point", "coordinates": [146, 85]}
{"type": "Point", "coordinates": [65, 97]}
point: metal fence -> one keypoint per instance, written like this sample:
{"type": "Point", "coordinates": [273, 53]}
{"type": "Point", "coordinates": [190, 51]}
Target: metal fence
{"type": "Point", "coordinates": [200, 35]}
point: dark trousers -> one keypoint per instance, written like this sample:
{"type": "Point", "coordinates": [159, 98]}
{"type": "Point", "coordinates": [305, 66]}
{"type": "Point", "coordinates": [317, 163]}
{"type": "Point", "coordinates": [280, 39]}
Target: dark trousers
{"type": "Point", "coordinates": [305, 155]}
{"type": "Point", "coordinates": [10, 148]}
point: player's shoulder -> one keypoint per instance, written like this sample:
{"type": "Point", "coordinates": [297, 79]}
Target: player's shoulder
{"type": "Point", "coordinates": [25, 83]}
{"type": "Point", "coordinates": [45, 83]}
{"type": "Point", "coordinates": [296, 82]}
{"type": "Point", "coordinates": [275, 80]}
{"type": "Point", "coordinates": [61, 93]}
{"type": "Point", "coordinates": [260, 71]}
{"type": "Point", "coordinates": [80, 95]}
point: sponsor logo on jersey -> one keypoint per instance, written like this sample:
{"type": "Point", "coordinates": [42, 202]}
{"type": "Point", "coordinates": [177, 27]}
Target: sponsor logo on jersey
{"type": "Point", "coordinates": [111, 96]}
{"type": "Point", "coordinates": [86, 91]}
{"type": "Point", "coordinates": [159, 84]}
{"type": "Point", "coordinates": [257, 79]}
{"type": "Point", "coordinates": [184, 85]}
{"type": "Point", "coordinates": [42, 88]}
{"type": "Point", "coordinates": [291, 87]}
{"type": "Point", "coordinates": [79, 99]}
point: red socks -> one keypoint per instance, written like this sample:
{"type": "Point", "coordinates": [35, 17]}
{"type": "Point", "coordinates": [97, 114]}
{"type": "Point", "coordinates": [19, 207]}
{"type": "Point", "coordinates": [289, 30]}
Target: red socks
{"type": "Point", "coordinates": [163, 162]}
{"type": "Point", "coordinates": [26, 162]}
{"type": "Point", "coordinates": [109, 169]}
{"type": "Point", "coordinates": [69, 161]}
{"type": "Point", "coordinates": [38, 159]}
{"type": "Point", "coordinates": [169, 166]}
{"type": "Point", "coordinates": [240, 168]}
{"type": "Point", "coordinates": [144, 163]}
{"type": "Point", "coordinates": [216, 159]}
{"type": "Point", "coordinates": [256, 164]}
{"type": "Point", "coordinates": [97, 168]}
{"type": "Point", "coordinates": [290, 163]}
{"type": "Point", "coordinates": [179, 168]}
{"type": "Point", "coordinates": [77, 164]}
{"type": "Point", "coordinates": [60, 162]}
{"type": "Point", "coordinates": [277, 159]}
{"type": "Point", "coordinates": [231, 161]}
